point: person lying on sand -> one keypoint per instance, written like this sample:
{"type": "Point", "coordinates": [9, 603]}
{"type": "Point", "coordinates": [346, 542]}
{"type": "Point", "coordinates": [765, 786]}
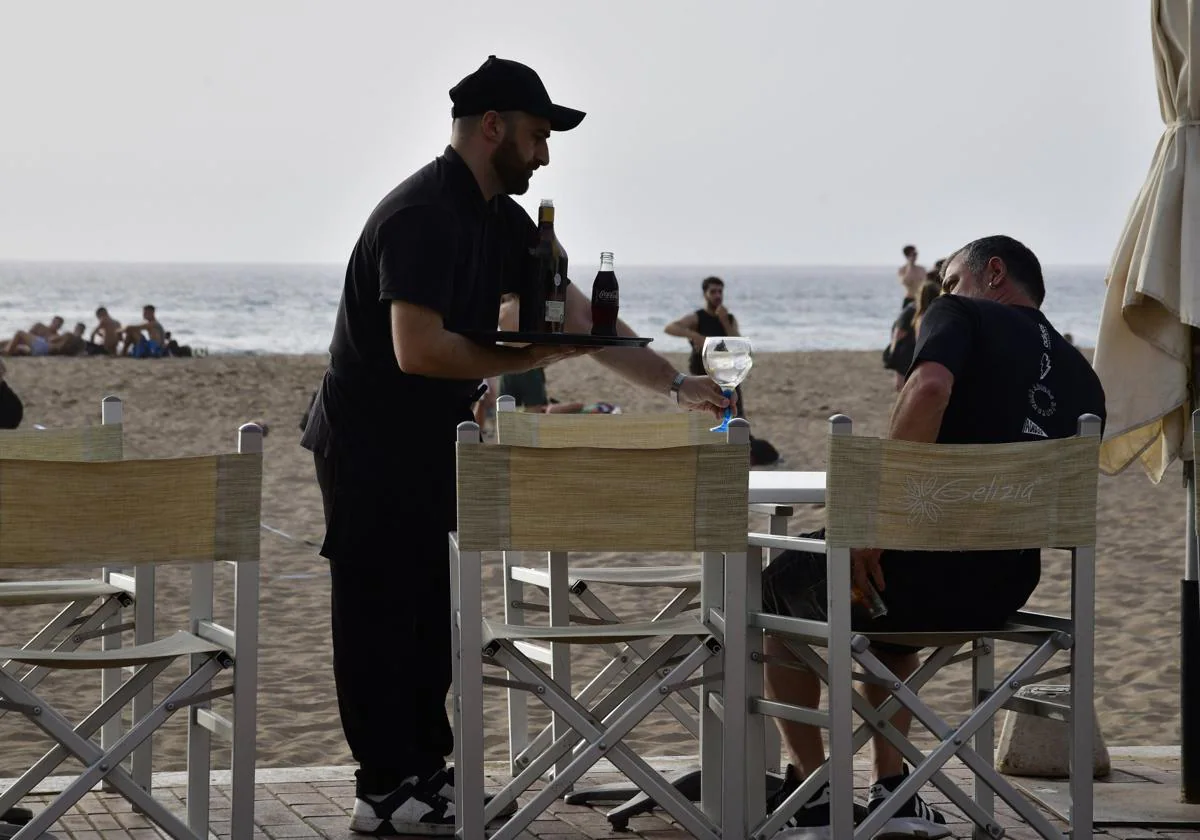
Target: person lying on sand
{"type": "Point", "coordinates": [109, 329]}
{"type": "Point", "coordinates": [47, 332]}
{"type": "Point", "coordinates": [26, 343]}
{"type": "Point", "coordinates": [69, 344]}
{"type": "Point", "coordinates": [34, 341]}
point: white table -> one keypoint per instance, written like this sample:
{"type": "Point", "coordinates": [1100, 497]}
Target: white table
{"type": "Point", "coordinates": [786, 487]}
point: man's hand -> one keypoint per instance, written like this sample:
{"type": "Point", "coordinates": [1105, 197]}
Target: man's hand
{"type": "Point", "coordinates": [699, 393]}
{"type": "Point", "coordinates": [542, 355]}
{"type": "Point", "coordinates": [722, 312]}
{"type": "Point", "coordinates": [864, 567]}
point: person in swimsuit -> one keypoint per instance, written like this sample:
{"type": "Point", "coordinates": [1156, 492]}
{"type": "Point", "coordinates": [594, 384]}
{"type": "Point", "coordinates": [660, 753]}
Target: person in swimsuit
{"type": "Point", "coordinates": [148, 335]}
{"type": "Point", "coordinates": [109, 330]}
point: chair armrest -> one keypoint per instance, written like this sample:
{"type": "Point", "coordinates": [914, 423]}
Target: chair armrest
{"type": "Point", "coordinates": [774, 510]}
{"type": "Point", "coordinates": [782, 542]}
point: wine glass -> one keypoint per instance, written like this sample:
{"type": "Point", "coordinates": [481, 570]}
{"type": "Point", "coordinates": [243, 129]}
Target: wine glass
{"type": "Point", "coordinates": [727, 359]}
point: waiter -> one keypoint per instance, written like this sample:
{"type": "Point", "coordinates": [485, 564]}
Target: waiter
{"type": "Point", "coordinates": [432, 261]}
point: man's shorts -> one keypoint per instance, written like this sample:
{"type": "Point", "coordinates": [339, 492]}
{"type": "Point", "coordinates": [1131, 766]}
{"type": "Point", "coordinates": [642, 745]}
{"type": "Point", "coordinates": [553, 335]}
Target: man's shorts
{"type": "Point", "coordinates": [924, 591]}
{"type": "Point", "coordinates": [528, 388]}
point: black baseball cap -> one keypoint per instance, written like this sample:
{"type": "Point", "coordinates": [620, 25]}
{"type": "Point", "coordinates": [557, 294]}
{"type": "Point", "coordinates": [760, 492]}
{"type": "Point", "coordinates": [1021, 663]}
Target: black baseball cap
{"type": "Point", "coordinates": [503, 85]}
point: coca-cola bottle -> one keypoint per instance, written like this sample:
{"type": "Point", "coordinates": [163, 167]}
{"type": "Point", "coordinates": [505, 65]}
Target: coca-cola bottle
{"type": "Point", "coordinates": [606, 297]}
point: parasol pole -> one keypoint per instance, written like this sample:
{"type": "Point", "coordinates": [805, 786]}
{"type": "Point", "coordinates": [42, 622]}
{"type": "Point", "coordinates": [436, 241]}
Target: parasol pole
{"type": "Point", "coordinates": [1189, 617]}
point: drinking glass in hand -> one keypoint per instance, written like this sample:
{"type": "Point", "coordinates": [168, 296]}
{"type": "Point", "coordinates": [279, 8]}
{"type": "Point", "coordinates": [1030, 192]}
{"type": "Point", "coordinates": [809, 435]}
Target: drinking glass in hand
{"type": "Point", "coordinates": [727, 359]}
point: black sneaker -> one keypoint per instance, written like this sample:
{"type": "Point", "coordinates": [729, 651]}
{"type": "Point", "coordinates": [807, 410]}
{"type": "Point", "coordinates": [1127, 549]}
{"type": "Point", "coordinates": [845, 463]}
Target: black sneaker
{"type": "Point", "coordinates": [915, 817]}
{"type": "Point", "coordinates": [419, 806]}
{"type": "Point", "coordinates": [416, 807]}
{"type": "Point", "coordinates": [814, 814]}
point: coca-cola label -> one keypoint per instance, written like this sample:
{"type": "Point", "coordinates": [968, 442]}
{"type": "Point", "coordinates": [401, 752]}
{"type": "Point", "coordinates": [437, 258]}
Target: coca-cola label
{"type": "Point", "coordinates": [607, 295]}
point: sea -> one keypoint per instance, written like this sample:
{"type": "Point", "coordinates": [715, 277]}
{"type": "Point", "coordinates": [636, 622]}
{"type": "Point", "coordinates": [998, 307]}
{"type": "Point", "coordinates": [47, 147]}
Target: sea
{"type": "Point", "coordinates": [222, 308]}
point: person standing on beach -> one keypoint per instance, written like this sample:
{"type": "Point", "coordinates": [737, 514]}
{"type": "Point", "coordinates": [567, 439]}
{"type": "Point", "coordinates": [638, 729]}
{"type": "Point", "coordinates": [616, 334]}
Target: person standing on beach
{"type": "Point", "coordinates": [712, 319]}
{"type": "Point", "coordinates": [988, 368]}
{"type": "Point", "coordinates": [911, 275]}
{"type": "Point", "coordinates": [433, 260]}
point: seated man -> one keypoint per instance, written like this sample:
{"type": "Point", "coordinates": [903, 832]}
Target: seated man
{"type": "Point", "coordinates": [69, 344]}
{"type": "Point", "coordinates": [109, 330]}
{"type": "Point", "coordinates": [147, 338]}
{"type": "Point", "coordinates": [988, 368]}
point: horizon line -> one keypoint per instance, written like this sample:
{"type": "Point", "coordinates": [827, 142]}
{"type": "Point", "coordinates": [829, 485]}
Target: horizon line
{"type": "Point", "coordinates": [705, 266]}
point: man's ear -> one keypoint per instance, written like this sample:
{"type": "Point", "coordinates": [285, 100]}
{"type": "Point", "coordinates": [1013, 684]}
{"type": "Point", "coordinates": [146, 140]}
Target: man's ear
{"type": "Point", "coordinates": [996, 273]}
{"type": "Point", "coordinates": [492, 126]}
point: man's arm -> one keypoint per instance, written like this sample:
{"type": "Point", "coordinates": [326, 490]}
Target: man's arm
{"type": "Point", "coordinates": [917, 415]}
{"type": "Point", "coordinates": [423, 346]}
{"type": "Point", "coordinates": [686, 327]}
{"type": "Point", "coordinates": [727, 321]}
{"type": "Point", "coordinates": [641, 365]}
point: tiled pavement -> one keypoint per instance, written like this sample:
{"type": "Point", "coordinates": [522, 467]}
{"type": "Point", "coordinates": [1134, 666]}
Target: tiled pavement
{"type": "Point", "coordinates": [315, 802]}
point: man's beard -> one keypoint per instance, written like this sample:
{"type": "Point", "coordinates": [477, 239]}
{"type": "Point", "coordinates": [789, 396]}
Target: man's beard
{"type": "Point", "coordinates": [511, 169]}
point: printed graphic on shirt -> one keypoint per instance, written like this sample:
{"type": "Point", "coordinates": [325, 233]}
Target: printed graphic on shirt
{"type": "Point", "coordinates": [1031, 428]}
{"type": "Point", "coordinates": [1041, 400]}
{"type": "Point", "coordinates": [1045, 367]}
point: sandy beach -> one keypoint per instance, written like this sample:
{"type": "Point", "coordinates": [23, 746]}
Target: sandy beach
{"type": "Point", "coordinates": [194, 406]}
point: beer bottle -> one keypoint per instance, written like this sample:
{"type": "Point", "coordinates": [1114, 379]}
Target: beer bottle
{"type": "Point", "coordinates": [605, 297]}
{"type": "Point", "coordinates": [550, 273]}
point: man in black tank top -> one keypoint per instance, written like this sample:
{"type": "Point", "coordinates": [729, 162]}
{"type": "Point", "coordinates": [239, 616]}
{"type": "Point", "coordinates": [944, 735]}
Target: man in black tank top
{"type": "Point", "coordinates": [713, 319]}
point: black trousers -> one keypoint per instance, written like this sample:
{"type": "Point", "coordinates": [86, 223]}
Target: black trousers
{"type": "Point", "coordinates": [386, 540]}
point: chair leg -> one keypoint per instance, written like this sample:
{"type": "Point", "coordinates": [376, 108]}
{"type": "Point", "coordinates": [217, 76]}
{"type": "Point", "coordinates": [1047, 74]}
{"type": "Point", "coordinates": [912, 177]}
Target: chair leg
{"type": "Point", "coordinates": [712, 596]}
{"type": "Point", "coordinates": [245, 700]}
{"type": "Point", "coordinates": [143, 633]}
{"type": "Point", "coordinates": [605, 740]}
{"type": "Point", "coordinates": [518, 701]}
{"type": "Point", "coordinates": [468, 775]}
{"type": "Point", "coordinates": [954, 740]}
{"type": "Point", "coordinates": [560, 616]}
{"type": "Point", "coordinates": [110, 679]}
{"type": "Point", "coordinates": [100, 765]}
{"type": "Point", "coordinates": [773, 746]}
{"type": "Point", "coordinates": [199, 745]}
{"type": "Point", "coordinates": [1083, 615]}
{"type": "Point", "coordinates": [983, 682]}
{"type": "Point", "coordinates": [86, 728]}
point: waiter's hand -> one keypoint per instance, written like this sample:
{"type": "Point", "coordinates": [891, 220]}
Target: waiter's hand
{"type": "Point", "coordinates": [699, 393]}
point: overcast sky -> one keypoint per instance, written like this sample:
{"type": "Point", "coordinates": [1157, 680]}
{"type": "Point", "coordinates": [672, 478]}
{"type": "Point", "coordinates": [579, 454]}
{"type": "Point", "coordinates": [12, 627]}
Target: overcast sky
{"type": "Point", "coordinates": [789, 132]}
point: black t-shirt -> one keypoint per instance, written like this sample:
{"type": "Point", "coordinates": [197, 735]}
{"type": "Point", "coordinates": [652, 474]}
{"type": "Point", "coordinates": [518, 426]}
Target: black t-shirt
{"type": "Point", "coordinates": [432, 241]}
{"type": "Point", "coordinates": [706, 324]}
{"type": "Point", "coordinates": [1015, 379]}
